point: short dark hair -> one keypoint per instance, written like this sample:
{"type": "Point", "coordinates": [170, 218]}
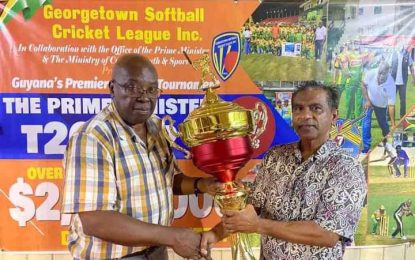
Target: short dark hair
{"type": "Point", "coordinates": [134, 61]}
{"type": "Point", "coordinates": [331, 92]}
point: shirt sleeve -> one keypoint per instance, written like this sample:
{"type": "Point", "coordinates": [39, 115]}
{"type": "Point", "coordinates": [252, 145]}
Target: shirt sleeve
{"type": "Point", "coordinates": [90, 182]}
{"type": "Point", "coordinates": [256, 195]}
{"type": "Point", "coordinates": [342, 199]}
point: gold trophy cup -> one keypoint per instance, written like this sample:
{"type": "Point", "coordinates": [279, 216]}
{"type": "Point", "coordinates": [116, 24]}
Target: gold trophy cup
{"type": "Point", "coordinates": [221, 136]}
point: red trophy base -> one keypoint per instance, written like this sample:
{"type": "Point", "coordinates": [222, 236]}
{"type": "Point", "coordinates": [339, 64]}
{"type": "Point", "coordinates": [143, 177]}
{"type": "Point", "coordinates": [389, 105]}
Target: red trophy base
{"type": "Point", "coordinates": [223, 158]}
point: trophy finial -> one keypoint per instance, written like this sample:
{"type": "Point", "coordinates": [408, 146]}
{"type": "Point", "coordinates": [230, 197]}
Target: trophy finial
{"type": "Point", "coordinates": [203, 64]}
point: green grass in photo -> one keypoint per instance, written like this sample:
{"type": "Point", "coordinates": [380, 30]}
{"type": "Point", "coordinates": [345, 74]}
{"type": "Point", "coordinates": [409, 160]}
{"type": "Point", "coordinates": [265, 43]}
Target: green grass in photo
{"type": "Point", "coordinates": [389, 192]}
{"type": "Point", "coordinates": [391, 203]}
{"type": "Point", "coordinates": [380, 183]}
{"type": "Point", "coordinates": [269, 67]}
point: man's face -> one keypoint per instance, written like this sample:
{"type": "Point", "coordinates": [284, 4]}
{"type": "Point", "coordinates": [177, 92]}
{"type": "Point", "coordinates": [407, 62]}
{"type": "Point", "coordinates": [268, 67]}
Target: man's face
{"type": "Point", "coordinates": [312, 115]}
{"type": "Point", "coordinates": [134, 109]}
{"type": "Point", "coordinates": [382, 74]}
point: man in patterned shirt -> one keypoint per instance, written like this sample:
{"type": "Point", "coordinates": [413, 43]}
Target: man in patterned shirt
{"type": "Point", "coordinates": [121, 175]}
{"type": "Point", "coordinates": [307, 196]}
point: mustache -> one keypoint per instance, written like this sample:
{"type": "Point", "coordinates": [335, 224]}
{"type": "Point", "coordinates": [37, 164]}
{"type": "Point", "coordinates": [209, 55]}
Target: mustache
{"type": "Point", "coordinates": [142, 105]}
{"type": "Point", "coordinates": [301, 124]}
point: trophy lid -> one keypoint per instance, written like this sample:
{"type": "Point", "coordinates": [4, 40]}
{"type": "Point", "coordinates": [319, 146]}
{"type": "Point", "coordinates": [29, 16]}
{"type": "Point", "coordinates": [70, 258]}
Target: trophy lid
{"type": "Point", "coordinates": [215, 120]}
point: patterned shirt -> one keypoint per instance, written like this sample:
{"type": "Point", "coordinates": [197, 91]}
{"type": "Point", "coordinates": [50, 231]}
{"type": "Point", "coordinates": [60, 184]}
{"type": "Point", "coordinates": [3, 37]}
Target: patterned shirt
{"type": "Point", "coordinates": [108, 167]}
{"type": "Point", "coordinates": [328, 188]}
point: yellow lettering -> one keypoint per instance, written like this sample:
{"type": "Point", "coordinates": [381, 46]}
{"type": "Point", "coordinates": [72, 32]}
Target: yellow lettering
{"type": "Point", "coordinates": [31, 173]}
{"type": "Point", "coordinates": [174, 15]}
{"type": "Point", "coordinates": [183, 35]}
{"type": "Point", "coordinates": [48, 12]}
{"type": "Point", "coordinates": [86, 15]}
{"type": "Point", "coordinates": [85, 32]}
{"type": "Point", "coordinates": [149, 12]}
{"type": "Point", "coordinates": [148, 36]}
{"type": "Point", "coordinates": [44, 173]}
{"type": "Point", "coordinates": [93, 15]}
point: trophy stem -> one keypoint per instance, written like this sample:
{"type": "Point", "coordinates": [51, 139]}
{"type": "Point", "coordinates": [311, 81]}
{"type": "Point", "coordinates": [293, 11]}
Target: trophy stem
{"type": "Point", "coordinates": [241, 248]}
{"type": "Point", "coordinates": [234, 198]}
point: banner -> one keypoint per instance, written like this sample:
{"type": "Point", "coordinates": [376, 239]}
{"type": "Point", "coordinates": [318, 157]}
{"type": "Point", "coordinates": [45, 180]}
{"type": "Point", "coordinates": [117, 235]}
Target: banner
{"type": "Point", "coordinates": [57, 58]}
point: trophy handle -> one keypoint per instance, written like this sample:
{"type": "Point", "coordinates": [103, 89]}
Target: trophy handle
{"type": "Point", "coordinates": [174, 132]}
{"type": "Point", "coordinates": [260, 122]}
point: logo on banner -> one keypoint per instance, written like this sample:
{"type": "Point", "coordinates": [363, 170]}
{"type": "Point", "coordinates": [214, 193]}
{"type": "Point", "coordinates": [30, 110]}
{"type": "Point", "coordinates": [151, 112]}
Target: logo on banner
{"type": "Point", "coordinates": [347, 135]}
{"type": "Point", "coordinates": [226, 52]}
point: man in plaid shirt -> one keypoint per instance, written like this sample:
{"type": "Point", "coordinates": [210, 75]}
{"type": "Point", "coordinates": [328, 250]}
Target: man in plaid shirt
{"type": "Point", "coordinates": [120, 176]}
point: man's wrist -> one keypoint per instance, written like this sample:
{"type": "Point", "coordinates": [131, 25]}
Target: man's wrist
{"type": "Point", "coordinates": [169, 236]}
{"type": "Point", "coordinates": [260, 229]}
{"type": "Point", "coordinates": [219, 231]}
{"type": "Point", "coordinates": [196, 187]}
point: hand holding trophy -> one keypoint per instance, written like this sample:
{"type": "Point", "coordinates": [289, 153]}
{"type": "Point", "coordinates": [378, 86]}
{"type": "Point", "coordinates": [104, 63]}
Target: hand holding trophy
{"type": "Point", "coordinates": [221, 136]}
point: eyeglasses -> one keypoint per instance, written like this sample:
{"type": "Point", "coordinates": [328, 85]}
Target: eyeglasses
{"type": "Point", "coordinates": [133, 89]}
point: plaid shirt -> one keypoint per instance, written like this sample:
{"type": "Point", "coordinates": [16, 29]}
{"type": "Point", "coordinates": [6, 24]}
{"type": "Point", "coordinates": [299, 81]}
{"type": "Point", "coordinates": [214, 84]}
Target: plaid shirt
{"type": "Point", "coordinates": [108, 167]}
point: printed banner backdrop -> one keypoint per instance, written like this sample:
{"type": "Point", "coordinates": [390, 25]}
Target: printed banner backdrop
{"type": "Point", "coordinates": [57, 58]}
{"type": "Point", "coordinates": [280, 51]}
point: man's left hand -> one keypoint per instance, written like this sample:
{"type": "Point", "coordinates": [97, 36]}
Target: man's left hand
{"type": "Point", "coordinates": [210, 185]}
{"type": "Point", "coordinates": [245, 220]}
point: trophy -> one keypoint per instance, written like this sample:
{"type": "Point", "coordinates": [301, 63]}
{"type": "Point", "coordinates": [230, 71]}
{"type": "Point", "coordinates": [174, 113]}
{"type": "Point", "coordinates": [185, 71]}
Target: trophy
{"type": "Point", "coordinates": [221, 136]}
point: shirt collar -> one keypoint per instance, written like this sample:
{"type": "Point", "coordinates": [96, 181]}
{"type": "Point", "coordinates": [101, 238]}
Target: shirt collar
{"type": "Point", "coordinates": [326, 149]}
{"type": "Point", "coordinates": [323, 152]}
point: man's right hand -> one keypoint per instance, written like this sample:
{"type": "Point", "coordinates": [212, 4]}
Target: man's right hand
{"type": "Point", "coordinates": [208, 240]}
{"type": "Point", "coordinates": [186, 243]}
{"type": "Point", "coordinates": [367, 105]}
